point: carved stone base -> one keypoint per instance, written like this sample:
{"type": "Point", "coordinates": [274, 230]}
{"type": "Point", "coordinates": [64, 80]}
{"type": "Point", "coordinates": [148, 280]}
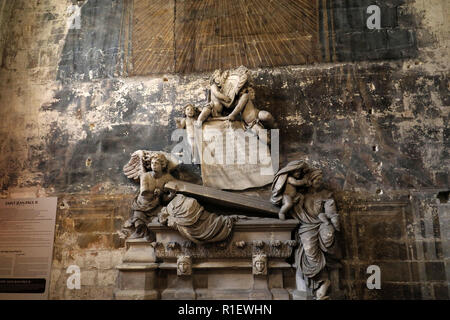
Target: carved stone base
{"type": "Point", "coordinates": [136, 295]}
{"type": "Point", "coordinates": [180, 288]}
{"type": "Point", "coordinates": [260, 289]}
{"type": "Point", "coordinates": [301, 295]}
{"type": "Point", "coordinates": [251, 265]}
{"type": "Point", "coordinates": [137, 282]}
{"type": "Point", "coordinates": [138, 272]}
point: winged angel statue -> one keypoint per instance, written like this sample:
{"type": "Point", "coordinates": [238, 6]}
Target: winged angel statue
{"type": "Point", "coordinates": [152, 170]}
{"type": "Point", "coordinates": [233, 90]}
{"type": "Point", "coordinates": [185, 214]}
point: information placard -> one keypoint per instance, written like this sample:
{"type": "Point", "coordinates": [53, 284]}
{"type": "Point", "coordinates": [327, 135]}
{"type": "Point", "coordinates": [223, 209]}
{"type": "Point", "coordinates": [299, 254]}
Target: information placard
{"type": "Point", "coordinates": [27, 230]}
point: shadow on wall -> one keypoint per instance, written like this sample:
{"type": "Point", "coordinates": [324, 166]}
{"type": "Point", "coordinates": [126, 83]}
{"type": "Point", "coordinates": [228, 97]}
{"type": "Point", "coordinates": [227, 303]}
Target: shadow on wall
{"type": "Point", "coordinates": [92, 47]}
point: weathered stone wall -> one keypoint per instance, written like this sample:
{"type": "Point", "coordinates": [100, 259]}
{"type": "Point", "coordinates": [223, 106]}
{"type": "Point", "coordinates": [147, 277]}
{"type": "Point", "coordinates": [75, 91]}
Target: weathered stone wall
{"type": "Point", "coordinates": [379, 129]}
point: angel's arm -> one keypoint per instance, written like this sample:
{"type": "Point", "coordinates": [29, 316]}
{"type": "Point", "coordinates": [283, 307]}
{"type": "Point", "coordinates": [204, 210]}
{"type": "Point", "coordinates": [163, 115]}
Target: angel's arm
{"type": "Point", "coordinates": [297, 183]}
{"type": "Point", "coordinates": [219, 95]}
{"type": "Point", "coordinates": [331, 213]}
{"type": "Point", "coordinates": [239, 107]}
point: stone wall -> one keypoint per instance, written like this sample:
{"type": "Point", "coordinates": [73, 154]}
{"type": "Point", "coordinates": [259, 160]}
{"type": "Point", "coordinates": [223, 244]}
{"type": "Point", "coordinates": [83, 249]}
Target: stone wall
{"type": "Point", "coordinates": [378, 128]}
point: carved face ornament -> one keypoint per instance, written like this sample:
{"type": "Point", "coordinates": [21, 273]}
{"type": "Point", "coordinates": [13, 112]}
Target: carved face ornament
{"type": "Point", "coordinates": [260, 265]}
{"type": "Point", "coordinates": [184, 266]}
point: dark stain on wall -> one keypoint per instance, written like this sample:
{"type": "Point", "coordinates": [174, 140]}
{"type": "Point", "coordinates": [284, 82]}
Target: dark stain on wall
{"type": "Point", "coordinates": [114, 40]}
{"type": "Point", "coordinates": [94, 51]}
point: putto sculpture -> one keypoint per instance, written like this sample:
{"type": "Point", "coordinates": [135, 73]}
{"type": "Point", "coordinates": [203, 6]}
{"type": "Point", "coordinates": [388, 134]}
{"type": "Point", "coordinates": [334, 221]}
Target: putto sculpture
{"type": "Point", "coordinates": [188, 123]}
{"type": "Point", "coordinates": [233, 90]}
{"type": "Point", "coordinates": [285, 184]}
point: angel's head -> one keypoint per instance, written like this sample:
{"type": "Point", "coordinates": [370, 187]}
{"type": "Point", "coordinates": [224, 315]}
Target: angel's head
{"type": "Point", "coordinates": [315, 177]}
{"type": "Point", "coordinates": [217, 77]}
{"type": "Point", "coordinates": [251, 93]}
{"type": "Point", "coordinates": [189, 111]}
{"type": "Point", "coordinates": [297, 174]}
{"type": "Point", "coordinates": [156, 162]}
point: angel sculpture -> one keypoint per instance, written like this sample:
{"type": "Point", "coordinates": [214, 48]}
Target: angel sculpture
{"type": "Point", "coordinates": [255, 120]}
{"type": "Point", "coordinates": [152, 170]}
{"type": "Point", "coordinates": [318, 254]}
{"type": "Point", "coordinates": [284, 187]}
{"type": "Point", "coordinates": [224, 89]}
{"type": "Point", "coordinates": [188, 123]}
{"type": "Point", "coordinates": [232, 89]}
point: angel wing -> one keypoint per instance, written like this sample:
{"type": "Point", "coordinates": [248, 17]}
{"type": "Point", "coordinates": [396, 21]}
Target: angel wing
{"type": "Point", "coordinates": [234, 82]}
{"type": "Point", "coordinates": [135, 167]}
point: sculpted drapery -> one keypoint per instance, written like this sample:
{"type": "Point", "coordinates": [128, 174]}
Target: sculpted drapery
{"type": "Point", "coordinates": [318, 249]}
{"type": "Point", "coordinates": [187, 216]}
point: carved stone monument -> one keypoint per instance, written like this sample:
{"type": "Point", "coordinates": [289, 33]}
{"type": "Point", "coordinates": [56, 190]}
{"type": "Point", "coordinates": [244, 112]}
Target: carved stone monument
{"type": "Point", "coordinates": [225, 141]}
{"type": "Point", "coordinates": [242, 247]}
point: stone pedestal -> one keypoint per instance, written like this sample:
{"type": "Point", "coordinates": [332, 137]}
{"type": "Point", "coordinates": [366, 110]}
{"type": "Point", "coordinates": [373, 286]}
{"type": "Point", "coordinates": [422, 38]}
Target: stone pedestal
{"type": "Point", "coordinates": [137, 273]}
{"type": "Point", "coordinates": [225, 270]}
{"type": "Point", "coordinates": [174, 268]}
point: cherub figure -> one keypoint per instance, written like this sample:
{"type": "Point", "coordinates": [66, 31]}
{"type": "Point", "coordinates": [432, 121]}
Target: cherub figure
{"type": "Point", "coordinates": [218, 99]}
{"type": "Point", "coordinates": [152, 169]}
{"type": "Point", "coordinates": [255, 120]}
{"type": "Point", "coordinates": [285, 184]}
{"type": "Point", "coordinates": [188, 123]}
